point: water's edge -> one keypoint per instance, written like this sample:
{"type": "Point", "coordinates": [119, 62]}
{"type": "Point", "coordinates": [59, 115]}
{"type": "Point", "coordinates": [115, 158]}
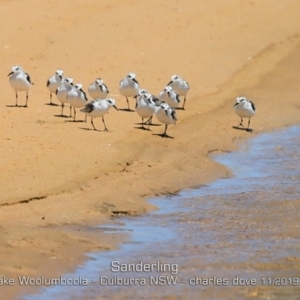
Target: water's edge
{"type": "Point", "coordinates": [228, 229]}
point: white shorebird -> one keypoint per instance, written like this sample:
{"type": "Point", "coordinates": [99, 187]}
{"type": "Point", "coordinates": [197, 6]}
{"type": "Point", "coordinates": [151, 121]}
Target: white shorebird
{"type": "Point", "coordinates": [166, 115]}
{"type": "Point", "coordinates": [62, 91]}
{"type": "Point", "coordinates": [98, 89]}
{"type": "Point", "coordinates": [169, 96]}
{"type": "Point", "coordinates": [154, 99]}
{"type": "Point", "coordinates": [244, 108]}
{"type": "Point", "coordinates": [144, 91]}
{"type": "Point", "coordinates": [19, 81]}
{"type": "Point", "coordinates": [98, 108]}
{"type": "Point", "coordinates": [180, 86]}
{"type": "Point", "coordinates": [145, 107]}
{"type": "Point", "coordinates": [54, 82]}
{"type": "Point", "coordinates": [77, 98]}
{"type": "Point", "coordinates": [129, 87]}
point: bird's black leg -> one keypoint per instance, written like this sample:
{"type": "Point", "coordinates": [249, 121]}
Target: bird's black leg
{"type": "Point", "coordinates": [183, 103]}
{"type": "Point", "coordinates": [70, 111]}
{"type": "Point", "coordinates": [16, 98]}
{"type": "Point", "coordinates": [143, 124]}
{"type": "Point", "coordinates": [127, 103]}
{"type": "Point", "coordinates": [165, 132]}
{"type": "Point", "coordinates": [93, 124]}
{"type": "Point", "coordinates": [74, 113]}
{"type": "Point", "coordinates": [62, 109]}
{"type": "Point", "coordinates": [149, 121]}
{"type": "Point", "coordinates": [241, 123]}
{"type": "Point", "coordinates": [105, 128]}
{"type": "Point", "coordinates": [50, 98]}
{"type": "Point", "coordinates": [248, 125]}
{"type": "Point", "coordinates": [26, 99]}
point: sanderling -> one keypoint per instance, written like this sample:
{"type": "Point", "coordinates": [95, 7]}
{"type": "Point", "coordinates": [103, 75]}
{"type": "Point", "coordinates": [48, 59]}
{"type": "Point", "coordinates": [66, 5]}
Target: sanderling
{"type": "Point", "coordinates": [154, 99]}
{"type": "Point", "coordinates": [98, 108]}
{"type": "Point", "coordinates": [77, 98]}
{"type": "Point", "coordinates": [129, 87]}
{"type": "Point", "coordinates": [244, 108]}
{"type": "Point", "coordinates": [180, 86]}
{"type": "Point", "coordinates": [145, 107]}
{"type": "Point", "coordinates": [166, 115]}
{"type": "Point", "coordinates": [54, 82]}
{"type": "Point", "coordinates": [98, 89]}
{"type": "Point", "coordinates": [62, 91]}
{"type": "Point", "coordinates": [169, 96]}
{"type": "Point", "coordinates": [19, 81]}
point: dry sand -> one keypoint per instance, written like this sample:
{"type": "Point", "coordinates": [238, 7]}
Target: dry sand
{"type": "Point", "coordinates": [57, 179]}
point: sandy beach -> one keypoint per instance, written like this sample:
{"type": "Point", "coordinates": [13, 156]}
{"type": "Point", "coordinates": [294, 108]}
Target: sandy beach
{"type": "Point", "coordinates": [58, 179]}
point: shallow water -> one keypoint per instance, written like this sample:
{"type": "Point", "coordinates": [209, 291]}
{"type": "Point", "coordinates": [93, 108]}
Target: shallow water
{"type": "Point", "coordinates": [245, 226]}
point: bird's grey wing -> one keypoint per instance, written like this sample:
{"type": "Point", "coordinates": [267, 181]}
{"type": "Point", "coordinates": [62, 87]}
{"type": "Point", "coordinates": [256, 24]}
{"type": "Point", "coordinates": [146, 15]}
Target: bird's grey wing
{"type": "Point", "coordinates": [252, 105]}
{"type": "Point", "coordinates": [173, 114]}
{"type": "Point", "coordinates": [28, 78]}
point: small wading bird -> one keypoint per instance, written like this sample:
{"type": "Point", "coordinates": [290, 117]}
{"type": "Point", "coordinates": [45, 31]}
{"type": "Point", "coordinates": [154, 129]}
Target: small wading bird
{"type": "Point", "coordinates": [54, 82]}
{"type": "Point", "coordinates": [180, 86]}
{"type": "Point", "coordinates": [98, 108]}
{"type": "Point", "coordinates": [19, 81]}
{"type": "Point", "coordinates": [98, 89]}
{"type": "Point", "coordinates": [62, 91]}
{"type": "Point", "coordinates": [77, 98]}
{"type": "Point", "coordinates": [154, 100]}
{"type": "Point", "coordinates": [169, 96]}
{"type": "Point", "coordinates": [244, 108]}
{"type": "Point", "coordinates": [166, 115]}
{"type": "Point", "coordinates": [129, 87]}
{"type": "Point", "coordinates": [145, 107]}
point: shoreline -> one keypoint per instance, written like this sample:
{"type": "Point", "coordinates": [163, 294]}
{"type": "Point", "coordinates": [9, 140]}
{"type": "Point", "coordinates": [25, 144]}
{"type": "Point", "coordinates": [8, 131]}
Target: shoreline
{"type": "Point", "coordinates": [80, 232]}
{"type": "Point", "coordinates": [68, 178]}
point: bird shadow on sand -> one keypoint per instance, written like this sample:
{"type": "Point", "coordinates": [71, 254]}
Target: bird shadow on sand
{"type": "Point", "coordinates": [142, 128]}
{"type": "Point", "coordinates": [52, 104]}
{"type": "Point", "coordinates": [76, 121]}
{"type": "Point", "coordinates": [163, 135]}
{"type": "Point", "coordinates": [242, 128]}
{"type": "Point", "coordinates": [90, 129]}
{"type": "Point", "coordinates": [62, 116]}
{"type": "Point", "coordinates": [155, 124]}
{"type": "Point", "coordinates": [126, 109]}
{"type": "Point", "coordinates": [17, 106]}
{"type": "Point", "coordinates": [148, 124]}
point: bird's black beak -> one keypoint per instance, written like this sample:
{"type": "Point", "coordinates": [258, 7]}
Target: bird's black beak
{"type": "Point", "coordinates": [115, 107]}
{"type": "Point", "coordinates": [135, 80]}
{"type": "Point", "coordinates": [135, 97]}
{"type": "Point", "coordinates": [10, 74]}
{"type": "Point", "coordinates": [235, 104]}
{"type": "Point", "coordinates": [170, 82]}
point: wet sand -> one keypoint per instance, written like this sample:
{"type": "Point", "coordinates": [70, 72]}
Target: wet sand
{"type": "Point", "coordinates": [58, 179]}
{"type": "Point", "coordinates": [236, 238]}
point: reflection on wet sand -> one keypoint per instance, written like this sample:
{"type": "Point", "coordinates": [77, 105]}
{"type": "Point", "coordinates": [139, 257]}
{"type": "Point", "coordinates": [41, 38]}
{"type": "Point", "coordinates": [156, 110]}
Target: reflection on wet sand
{"type": "Point", "coordinates": [235, 239]}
